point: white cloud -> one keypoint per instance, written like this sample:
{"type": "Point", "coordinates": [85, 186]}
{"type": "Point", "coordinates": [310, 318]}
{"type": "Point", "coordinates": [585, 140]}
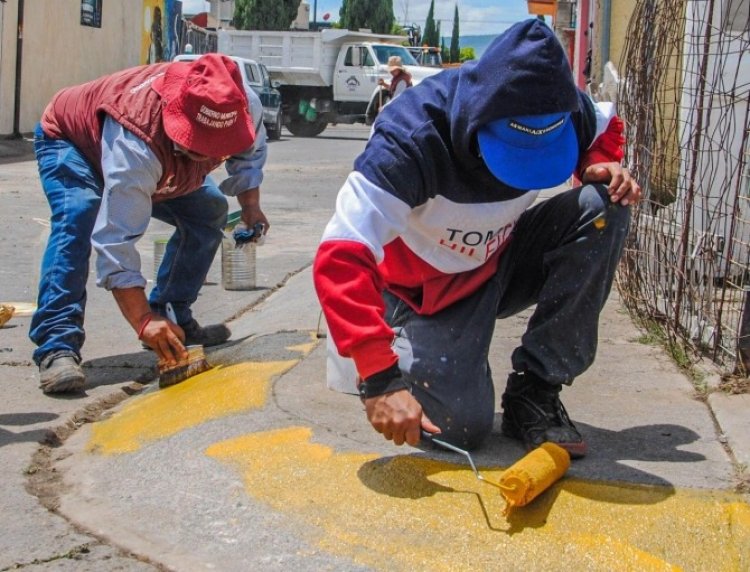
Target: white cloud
{"type": "Point", "coordinates": [476, 17]}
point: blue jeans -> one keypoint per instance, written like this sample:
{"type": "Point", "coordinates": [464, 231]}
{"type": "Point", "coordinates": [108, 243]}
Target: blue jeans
{"type": "Point", "coordinates": [74, 189]}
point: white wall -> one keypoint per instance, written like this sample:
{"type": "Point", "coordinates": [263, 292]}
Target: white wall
{"type": "Point", "coordinates": [58, 51]}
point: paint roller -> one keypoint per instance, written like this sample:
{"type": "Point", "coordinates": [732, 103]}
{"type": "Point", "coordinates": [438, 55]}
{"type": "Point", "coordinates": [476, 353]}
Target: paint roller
{"type": "Point", "coordinates": [527, 478]}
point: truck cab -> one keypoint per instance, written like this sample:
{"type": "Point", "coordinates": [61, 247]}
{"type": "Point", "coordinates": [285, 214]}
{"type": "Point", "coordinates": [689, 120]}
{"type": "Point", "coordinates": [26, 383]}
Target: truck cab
{"type": "Point", "coordinates": [359, 67]}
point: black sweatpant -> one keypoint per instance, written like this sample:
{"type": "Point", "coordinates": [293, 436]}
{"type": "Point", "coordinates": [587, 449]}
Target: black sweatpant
{"type": "Point", "coordinates": [563, 257]}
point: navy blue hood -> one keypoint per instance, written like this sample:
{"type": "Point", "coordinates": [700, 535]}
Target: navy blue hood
{"type": "Point", "coordinates": [433, 125]}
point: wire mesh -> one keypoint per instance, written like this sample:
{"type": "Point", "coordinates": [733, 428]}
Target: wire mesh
{"type": "Point", "coordinates": [685, 100]}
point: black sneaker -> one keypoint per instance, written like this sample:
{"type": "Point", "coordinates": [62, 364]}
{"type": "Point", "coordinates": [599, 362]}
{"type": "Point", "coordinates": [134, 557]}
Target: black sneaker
{"type": "Point", "coordinates": [212, 335]}
{"type": "Point", "coordinates": [534, 414]}
{"type": "Point", "coordinates": [60, 372]}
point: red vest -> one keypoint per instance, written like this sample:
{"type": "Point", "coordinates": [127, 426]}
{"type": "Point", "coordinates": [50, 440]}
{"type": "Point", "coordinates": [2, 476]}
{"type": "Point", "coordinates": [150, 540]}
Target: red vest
{"type": "Point", "coordinates": [77, 114]}
{"type": "Point", "coordinates": [403, 76]}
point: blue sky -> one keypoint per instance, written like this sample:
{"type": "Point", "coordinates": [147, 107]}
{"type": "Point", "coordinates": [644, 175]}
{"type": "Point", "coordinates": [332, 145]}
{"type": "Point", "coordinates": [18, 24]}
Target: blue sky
{"type": "Point", "coordinates": [475, 16]}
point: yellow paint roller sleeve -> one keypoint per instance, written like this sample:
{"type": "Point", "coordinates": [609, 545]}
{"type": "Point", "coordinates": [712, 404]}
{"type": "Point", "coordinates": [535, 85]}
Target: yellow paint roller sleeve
{"type": "Point", "coordinates": [533, 474]}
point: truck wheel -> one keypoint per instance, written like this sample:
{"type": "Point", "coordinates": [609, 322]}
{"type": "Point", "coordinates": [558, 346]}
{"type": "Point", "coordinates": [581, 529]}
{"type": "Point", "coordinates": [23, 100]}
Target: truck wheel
{"type": "Point", "coordinates": [300, 127]}
{"type": "Point", "coordinates": [274, 134]}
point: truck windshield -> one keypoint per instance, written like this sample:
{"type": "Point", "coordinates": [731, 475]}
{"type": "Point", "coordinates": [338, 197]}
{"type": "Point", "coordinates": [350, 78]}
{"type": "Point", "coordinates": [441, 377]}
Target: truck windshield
{"type": "Point", "coordinates": [385, 51]}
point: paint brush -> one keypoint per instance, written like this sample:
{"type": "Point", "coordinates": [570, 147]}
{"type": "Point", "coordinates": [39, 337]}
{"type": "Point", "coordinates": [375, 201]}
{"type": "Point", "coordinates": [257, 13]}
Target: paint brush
{"type": "Point", "coordinates": [194, 364]}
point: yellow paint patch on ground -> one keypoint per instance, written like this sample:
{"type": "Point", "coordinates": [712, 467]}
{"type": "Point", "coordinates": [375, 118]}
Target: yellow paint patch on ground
{"type": "Point", "coordinates": [218, 392]}
{"type": "Point", "coordinates": [305, 348]}
{"type": "Point", "coordinates": [408, 512]}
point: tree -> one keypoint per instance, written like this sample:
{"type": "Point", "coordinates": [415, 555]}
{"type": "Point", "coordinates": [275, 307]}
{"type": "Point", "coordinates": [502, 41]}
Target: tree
{"type": "Point", "coordinates": [455, 50]}
{"type": "Point", "coordinates": [431, 36]}
{"type": "Point", "coordinates": [265, 14]}
{"type": "Point", "coordinates": [467, 54]}
{"type": "Point", "coordinates": [242, 9]}
{"type": "Point", "coordinates": [377, 15]}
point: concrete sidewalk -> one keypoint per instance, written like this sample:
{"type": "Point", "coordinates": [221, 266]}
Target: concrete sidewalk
{"type": "Point", "coordinates": [255, 465]}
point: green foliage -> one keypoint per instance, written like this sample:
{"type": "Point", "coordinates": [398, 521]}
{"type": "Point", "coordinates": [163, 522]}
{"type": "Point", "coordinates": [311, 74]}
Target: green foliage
{"type": "Point", "coordinates": [431, 35]}
{"type": "Point", "coordinates": [264, 14]}
{"type": "Point", "coordinates": [466, 54]}
{"type": "Point", "coordinates": [242, 9]}
{"type": "Point", "coordinates": [376, 15]}
{"type": "Point", "coordinates": [455, 51]}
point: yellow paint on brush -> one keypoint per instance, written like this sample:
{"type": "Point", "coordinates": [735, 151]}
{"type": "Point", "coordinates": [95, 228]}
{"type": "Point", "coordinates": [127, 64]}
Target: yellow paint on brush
{"type": "Point", "coordinates": [215, 393]}
{"type": "Point", "coordinates": [409, 512]}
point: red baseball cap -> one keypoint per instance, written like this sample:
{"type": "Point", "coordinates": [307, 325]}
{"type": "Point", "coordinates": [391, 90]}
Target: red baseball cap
{"type": "Point", "coordinates": [205, 106]}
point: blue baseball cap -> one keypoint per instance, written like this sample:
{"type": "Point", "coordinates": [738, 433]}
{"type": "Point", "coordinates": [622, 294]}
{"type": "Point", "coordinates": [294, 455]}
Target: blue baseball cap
{"type": "Point", "coordinates": [531, 151]}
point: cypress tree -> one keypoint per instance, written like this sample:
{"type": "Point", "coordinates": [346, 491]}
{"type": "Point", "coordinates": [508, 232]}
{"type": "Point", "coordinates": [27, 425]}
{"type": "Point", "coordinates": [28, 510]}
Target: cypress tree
{"type": "Point", "coordinates": [430, 37]}
{"type": "Point", "coordinates": [455, 50]}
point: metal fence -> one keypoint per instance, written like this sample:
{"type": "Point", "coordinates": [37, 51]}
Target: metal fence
{"type": "Point", "coordinates": [685, 98]}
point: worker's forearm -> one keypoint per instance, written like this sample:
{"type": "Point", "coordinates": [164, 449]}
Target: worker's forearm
{"type": "Point", "coordinates": [133, 304]}
{"type": "Point", "coordinates": [250, 198]}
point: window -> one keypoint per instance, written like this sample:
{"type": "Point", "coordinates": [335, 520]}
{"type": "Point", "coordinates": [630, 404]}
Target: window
{"type": "Point", "coordinates": [252, 74]}
{"type": "Point", "coordinates": [91, 13]}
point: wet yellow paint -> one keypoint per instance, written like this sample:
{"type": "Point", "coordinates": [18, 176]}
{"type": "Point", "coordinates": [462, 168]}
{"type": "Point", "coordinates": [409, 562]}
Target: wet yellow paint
{"type": "Point", "coordinates": [409, 512]}
{"type": "Point", "coordinates": [215, 393]}
{"type": "Point", "coordinates": [305, 348]}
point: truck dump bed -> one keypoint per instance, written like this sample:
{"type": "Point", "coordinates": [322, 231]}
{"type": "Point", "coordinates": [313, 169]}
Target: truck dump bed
{"type": "Point", "coordinates": [295, 57]}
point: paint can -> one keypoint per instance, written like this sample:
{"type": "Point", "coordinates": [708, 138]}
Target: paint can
{"type": "Point", "coordinates": [160, 246]}
{"type": "Point", "coordinates": [237, 265]}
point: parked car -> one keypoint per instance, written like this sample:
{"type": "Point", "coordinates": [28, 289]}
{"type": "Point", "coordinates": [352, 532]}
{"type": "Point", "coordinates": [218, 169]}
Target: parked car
{"type": "Point", "coordinates": [256, 76]}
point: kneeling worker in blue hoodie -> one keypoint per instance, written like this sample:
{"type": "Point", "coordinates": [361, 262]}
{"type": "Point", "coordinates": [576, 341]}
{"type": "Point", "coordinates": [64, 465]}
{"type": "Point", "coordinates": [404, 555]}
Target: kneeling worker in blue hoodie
{"type": "Point", "coordinates": [435, 237]}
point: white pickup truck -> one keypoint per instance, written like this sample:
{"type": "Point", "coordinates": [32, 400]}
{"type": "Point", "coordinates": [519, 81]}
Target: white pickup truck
{"type": "Point", "coordinates": [330, 76]}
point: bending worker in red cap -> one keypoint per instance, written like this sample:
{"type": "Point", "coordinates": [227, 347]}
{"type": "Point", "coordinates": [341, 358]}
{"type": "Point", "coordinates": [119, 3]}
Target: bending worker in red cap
{"type": "Point", "coordinates": [435, 237]}
{"type": "Point", "coordinates": [116, 151]}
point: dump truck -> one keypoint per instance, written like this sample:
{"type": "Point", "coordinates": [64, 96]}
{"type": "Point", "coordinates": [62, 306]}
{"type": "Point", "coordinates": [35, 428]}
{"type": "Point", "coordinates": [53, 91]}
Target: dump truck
{"type": "Point", "coordinates": [325, 77]}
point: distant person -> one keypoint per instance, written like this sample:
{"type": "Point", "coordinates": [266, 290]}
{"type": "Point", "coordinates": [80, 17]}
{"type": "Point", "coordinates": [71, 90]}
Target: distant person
{"type": "Point", "coordinates": [116, 151]}
{"type": "Point", "coordinates": [400, 78]}
{"type": "Point", "coordinates": [437, 234]}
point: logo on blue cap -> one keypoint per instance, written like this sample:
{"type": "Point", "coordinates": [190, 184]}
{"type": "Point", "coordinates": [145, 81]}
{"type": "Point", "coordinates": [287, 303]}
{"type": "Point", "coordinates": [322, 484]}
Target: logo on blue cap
{"type": "Point", "coordinates": [530, 152]}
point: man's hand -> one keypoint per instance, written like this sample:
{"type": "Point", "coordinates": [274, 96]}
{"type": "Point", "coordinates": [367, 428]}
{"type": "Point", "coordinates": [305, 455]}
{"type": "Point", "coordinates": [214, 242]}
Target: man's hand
{"type": "Point", "coordinates": [622, 187]}
{"type": "Point", "coordinates": [251, 211]}
{"type": "Point", "coordinates": [166, 339]}
{"type": "Point", "coordinates": [399, 417]}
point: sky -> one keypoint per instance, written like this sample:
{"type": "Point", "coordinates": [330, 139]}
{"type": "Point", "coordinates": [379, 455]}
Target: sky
{"type": "Point", "coordinates": [476, 17]}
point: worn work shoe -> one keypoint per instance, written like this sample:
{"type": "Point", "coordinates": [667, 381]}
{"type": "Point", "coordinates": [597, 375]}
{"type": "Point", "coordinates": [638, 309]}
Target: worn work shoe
{"type": "Point", "coordinates": [534, 414]}
{"type": "Point", "coordinates": [213, 335]}
{"type": "Point", "coordinates": [60, 372]}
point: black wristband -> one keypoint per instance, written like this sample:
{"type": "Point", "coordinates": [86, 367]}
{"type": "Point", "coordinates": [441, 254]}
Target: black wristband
{"type": "Point", "coordinates": [386, 381]}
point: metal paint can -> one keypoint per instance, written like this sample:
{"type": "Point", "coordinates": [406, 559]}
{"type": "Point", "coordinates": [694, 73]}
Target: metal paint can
{"type": "Point", "coordinates": [237, 265]}
{"type": "Point", "coordinates": [160, 246]}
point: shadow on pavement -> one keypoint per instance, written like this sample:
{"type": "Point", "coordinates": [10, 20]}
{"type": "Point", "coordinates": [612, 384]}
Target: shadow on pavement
{"type": "Point", "coordinates": [18, 419]}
